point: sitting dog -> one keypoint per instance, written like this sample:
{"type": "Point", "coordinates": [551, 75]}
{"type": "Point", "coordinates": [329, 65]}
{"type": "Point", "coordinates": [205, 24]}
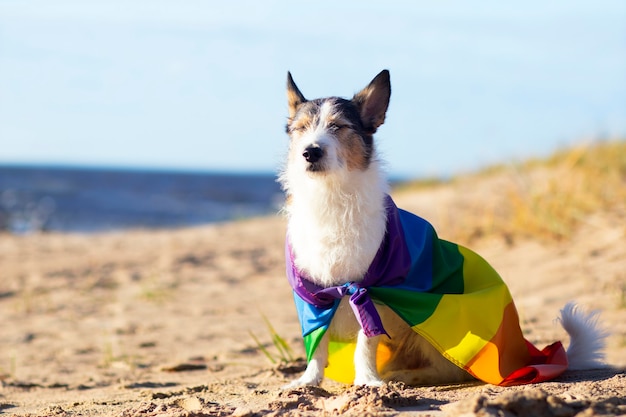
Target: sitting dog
{"type": "Point", "coordinates": [379, 296]}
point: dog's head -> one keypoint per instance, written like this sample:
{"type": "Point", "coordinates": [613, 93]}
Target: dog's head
{"type": "Point", "coordinates": [331, 135]}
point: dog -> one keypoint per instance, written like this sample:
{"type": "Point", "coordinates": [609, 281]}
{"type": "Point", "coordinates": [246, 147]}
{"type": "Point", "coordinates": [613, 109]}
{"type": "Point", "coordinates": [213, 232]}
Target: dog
{"type": "Point", "coordinates": [340, 218]}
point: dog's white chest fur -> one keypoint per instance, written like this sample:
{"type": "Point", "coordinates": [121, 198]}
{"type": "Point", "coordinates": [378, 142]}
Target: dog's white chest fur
{"type": "Point", "coordinates": [335, 233]}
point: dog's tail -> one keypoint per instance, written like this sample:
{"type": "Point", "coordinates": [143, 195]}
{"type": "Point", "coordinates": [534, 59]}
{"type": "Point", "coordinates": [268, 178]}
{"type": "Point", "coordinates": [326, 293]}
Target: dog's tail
{"type": "Point", "coordinates": [587, 338]}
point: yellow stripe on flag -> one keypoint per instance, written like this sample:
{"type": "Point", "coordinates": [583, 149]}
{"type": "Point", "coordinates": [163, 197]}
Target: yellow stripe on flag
{"type": "Point", "coordinates": [341, 360]}
{"type": "Point", "coordinates": [463, 324]}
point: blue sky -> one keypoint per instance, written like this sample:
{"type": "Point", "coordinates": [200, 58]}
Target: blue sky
{"type": "Point", "coordinates": [201, 84]}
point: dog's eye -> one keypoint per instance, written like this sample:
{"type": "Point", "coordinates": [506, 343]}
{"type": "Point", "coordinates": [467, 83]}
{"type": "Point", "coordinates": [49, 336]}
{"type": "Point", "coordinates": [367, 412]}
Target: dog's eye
{"type": "Point", "coordinates": [297, 128]}
{"type": "Point", "coordinates": [333, 126]}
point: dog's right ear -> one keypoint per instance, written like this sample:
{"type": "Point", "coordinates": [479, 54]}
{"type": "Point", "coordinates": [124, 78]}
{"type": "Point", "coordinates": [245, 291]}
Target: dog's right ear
{"type": "Point", "coordinates": [294, 96]}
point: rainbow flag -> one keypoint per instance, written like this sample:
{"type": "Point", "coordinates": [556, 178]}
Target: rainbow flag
{"type": "Point", "coordinates": [445, 292]}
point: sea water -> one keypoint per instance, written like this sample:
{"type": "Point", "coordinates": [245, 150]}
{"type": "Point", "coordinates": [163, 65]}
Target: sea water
{"type": "Point", "coordinates": [35, 198]}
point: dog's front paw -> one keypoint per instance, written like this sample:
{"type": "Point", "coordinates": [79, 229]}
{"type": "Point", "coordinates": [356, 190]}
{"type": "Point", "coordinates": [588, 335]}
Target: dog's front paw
{"type": "Point", "coordinates": [370, 382]}
{"type": "Point", "coordinates": [303, 381]}
{"type": "Point", "coordinates": [367, 376]}
{"type": "Point", "coordinates": [313, 375]}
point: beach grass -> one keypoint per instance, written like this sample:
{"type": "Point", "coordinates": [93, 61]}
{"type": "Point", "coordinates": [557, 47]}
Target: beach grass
{"type": "Point", "coordinates": [283, 354]}
{"type": "Point", "coordinates": [544, 198]}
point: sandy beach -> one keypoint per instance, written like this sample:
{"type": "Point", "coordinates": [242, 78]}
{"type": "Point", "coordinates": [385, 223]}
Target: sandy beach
{"type": "Point", "coordinates": [147, 323]}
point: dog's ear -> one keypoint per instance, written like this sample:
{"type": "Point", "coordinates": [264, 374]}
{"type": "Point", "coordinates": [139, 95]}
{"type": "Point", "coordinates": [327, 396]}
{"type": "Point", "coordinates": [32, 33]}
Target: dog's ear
{"type": "Point", "coordinates": [294, 96]}
{"type": "Point", "coordinates": [373, 100]}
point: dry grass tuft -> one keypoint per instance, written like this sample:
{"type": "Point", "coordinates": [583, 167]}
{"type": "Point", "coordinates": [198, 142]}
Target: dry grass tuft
{"type": "Point", "coordinates": [543, 198]}
{"type": "Point", "coordinates": [571, 185]}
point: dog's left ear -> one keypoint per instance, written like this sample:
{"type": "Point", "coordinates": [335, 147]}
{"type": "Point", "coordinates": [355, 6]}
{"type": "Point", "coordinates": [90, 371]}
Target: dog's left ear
{"type": "Point", "coordinates": [373, 100]}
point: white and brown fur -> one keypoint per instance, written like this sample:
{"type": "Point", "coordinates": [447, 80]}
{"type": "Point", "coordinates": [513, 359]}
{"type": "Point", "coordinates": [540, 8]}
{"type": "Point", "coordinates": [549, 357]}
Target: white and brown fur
{"type": "Point", "coordinates": [335, 191]}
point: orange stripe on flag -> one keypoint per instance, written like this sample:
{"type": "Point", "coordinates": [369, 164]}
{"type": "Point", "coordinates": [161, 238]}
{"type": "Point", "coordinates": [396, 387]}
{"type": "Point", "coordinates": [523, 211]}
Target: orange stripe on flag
{"type": "Point", "coordinates": [504, 353]}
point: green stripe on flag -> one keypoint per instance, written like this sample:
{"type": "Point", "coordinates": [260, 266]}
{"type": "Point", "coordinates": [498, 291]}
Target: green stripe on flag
{"type": "Point", "coordinates": [312, 340]}
{"type": "Point", "coordinates": [413, 307]}
{"type": "Point", "coordinates": [447, 268]}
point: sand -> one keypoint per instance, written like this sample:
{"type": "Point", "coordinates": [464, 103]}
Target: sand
{"type": "Point", "coordinates": [158, 323]}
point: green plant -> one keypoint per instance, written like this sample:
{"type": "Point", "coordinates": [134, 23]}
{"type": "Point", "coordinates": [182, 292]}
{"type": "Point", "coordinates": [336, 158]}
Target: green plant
{"type": "Point", "coordinates": [285, 353]}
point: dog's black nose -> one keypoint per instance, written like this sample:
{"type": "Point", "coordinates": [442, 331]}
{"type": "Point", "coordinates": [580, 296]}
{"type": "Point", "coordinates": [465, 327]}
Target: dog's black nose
{"type": "Point", "coordinates": [313, 154]}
